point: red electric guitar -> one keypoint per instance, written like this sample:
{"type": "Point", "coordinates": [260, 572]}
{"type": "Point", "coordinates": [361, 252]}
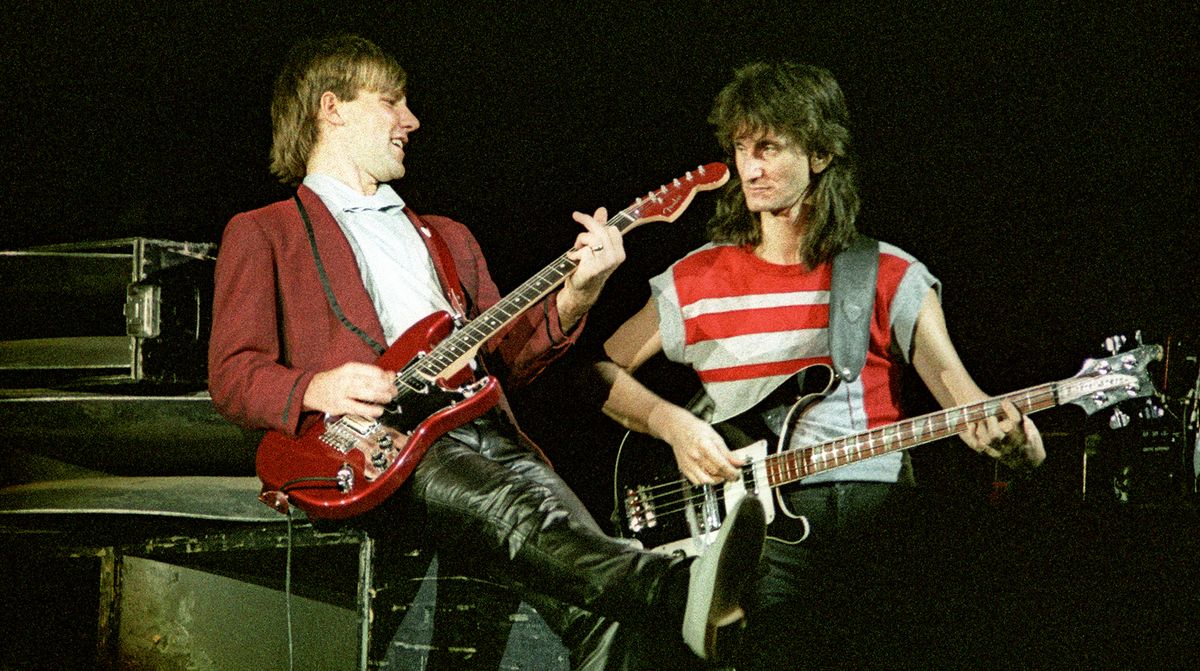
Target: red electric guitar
{"type": "Point", "coordinates": [347, 465]}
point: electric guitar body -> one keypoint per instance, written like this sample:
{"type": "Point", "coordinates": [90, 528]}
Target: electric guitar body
{"type": "Point", "coordinates": [344, 466]}
{"type": "Point", "coordinates": [358, 463]}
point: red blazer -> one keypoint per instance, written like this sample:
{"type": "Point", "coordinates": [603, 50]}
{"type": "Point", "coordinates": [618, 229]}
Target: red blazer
{"type": "Point", "coordinates": [274, 327]}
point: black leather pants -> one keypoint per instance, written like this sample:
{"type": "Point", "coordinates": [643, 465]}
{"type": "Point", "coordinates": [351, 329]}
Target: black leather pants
{"type": "Point", "coordinates": [486, 492]}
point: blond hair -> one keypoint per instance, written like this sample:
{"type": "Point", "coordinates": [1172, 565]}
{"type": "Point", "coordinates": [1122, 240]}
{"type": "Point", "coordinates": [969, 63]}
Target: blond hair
{"type": "Point", "coordinates": [343, 65]}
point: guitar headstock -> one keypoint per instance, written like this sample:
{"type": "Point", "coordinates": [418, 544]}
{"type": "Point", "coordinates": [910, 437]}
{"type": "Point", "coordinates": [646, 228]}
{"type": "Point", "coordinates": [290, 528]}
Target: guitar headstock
{"type": "Point", "coordinates": [670, 200]}
{"type": "Point", "coordinates": [1108, 381]}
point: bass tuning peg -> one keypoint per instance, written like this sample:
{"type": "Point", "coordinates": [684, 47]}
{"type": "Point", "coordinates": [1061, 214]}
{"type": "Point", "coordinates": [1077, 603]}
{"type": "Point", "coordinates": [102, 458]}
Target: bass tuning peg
{"type": "Point", "coordinates": [1113, 344]}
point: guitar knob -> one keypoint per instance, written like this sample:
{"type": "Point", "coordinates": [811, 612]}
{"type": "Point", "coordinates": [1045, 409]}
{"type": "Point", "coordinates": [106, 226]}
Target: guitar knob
{"type": "Point", "coordinates": [345, 479]}
{"type": "Point", "coordinates": [1119, 420]}
{"type": "Point", "coordinates": [1114, 343]}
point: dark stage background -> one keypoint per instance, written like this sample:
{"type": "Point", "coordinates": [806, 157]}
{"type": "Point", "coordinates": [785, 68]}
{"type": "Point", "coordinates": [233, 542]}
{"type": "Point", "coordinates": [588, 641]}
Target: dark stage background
{"type": "Point", "coordinates": [1039, 157]}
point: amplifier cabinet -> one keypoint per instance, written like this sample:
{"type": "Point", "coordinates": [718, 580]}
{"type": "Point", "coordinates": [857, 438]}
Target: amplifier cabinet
{"type": "Point", "coordinates": [134, 310]}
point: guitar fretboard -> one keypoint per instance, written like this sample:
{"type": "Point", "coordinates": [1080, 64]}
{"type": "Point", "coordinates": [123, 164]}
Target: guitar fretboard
{"type": "Point", "coordinates": [791, 465]}
{"type": "Point", "coordinates": [665, 203]}
{"type": "Point", "coordinates": [464, 340]}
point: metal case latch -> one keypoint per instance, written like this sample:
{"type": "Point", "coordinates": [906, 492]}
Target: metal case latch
{"type": "Point", "coordinates": [142, 302]}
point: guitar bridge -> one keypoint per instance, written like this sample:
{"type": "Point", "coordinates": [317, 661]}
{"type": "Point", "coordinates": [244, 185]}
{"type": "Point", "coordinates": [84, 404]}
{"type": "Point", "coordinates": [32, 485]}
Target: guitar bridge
{"type": "Point", "coordinates": [639, 510]}
{"type": "Point", "coordinates": [343, 434]}
{"type": "Point", "coordinates": [378, 443]}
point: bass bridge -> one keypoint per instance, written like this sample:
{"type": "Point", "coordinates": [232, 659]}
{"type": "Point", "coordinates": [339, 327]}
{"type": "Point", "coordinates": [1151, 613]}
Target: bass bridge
{"type": "Point", "coordinates": [690, 515]}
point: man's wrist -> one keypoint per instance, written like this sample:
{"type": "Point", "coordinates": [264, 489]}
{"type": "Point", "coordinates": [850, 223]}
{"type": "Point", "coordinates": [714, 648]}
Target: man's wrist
{"type": "Point", "coordinates": [573, 304]}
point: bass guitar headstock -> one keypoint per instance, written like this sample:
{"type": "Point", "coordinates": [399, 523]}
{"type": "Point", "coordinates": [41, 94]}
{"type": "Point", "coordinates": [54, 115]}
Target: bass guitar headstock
{"type": "Point", "coordinates": [1102, 383]}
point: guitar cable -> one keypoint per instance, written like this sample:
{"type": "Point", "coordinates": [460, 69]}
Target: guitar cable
{"type": "Point", "coordinates": [283, 504]}
{"type": "Point", "coordinates": [287, 591]}
{"type": "Point", "coordinates": [283, 489]}
{"type": "Point", "coordinates": [615, 517]}
{"type": "Point", "coordinates": [287, 565]}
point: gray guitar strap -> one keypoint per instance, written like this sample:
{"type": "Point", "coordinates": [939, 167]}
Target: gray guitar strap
{"type": "Point", "coordinates": [851, 304]}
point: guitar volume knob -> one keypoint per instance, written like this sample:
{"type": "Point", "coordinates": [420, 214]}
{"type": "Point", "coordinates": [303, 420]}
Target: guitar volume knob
{"type": "Point", "coordinates": [345, 479]}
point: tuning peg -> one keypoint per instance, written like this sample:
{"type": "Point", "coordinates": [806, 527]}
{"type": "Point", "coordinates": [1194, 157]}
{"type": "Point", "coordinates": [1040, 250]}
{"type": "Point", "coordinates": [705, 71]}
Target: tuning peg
{"type": "Point", "coordinates": [1119, 420]}
{"type": "Point", "coordinates": [1113, 344]}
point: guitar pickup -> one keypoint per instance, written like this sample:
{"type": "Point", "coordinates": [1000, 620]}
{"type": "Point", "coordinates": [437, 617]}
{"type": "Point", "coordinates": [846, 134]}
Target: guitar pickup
{"type": "Point", "coordinates": [345, 433]}
{"type": "Point", "coordinates": [360, 425]}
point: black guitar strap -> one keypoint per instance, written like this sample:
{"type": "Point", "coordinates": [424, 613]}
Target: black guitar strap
{"type": "Point", "coordinates": [379, 348]}
{"type": "Point", "coordinates": [851, 304]}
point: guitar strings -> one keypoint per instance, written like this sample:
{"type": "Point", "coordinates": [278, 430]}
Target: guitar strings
{"type": "Point", "coordinates": [681, 495]}
{"type": "Point", "coordinates": [421, 371]}
{"type": "Point", "coordinates": [418, 374]}
{"type": "Point", "coordinates": [550, 276]}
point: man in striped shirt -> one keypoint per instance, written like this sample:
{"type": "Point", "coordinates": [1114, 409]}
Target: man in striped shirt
{"type": "Point", "coordinates": [747, 312]}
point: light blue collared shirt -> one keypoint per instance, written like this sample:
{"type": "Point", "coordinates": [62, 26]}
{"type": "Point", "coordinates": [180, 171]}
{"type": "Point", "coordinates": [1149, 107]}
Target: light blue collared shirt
{"type": "Point", "coordinates": [392, 259]}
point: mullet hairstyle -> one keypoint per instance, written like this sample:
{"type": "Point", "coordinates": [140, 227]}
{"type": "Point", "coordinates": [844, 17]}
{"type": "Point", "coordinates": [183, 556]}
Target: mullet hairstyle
{"type": "Point", "coordinates": [804, 104]}
{"type": "Point", "coordinates": [343, 65]}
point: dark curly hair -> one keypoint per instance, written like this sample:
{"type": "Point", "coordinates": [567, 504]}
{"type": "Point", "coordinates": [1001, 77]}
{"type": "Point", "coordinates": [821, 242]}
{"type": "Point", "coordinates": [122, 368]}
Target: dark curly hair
{"type": "Point", "coordinates": [804, 104]}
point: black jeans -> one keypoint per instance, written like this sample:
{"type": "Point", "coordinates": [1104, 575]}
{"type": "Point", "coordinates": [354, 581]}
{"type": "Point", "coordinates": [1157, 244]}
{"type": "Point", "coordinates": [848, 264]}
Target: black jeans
{"type": "Point", "coordinates": [484, 491]}
{"type": "Point", "coordinates": [840, 598]}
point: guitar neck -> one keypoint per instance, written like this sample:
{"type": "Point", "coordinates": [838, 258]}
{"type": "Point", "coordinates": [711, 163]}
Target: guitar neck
{"type": "Point", "coordinates": [666, 203]}
{"type": "Point", "coordinates": [791, 465]}
{"type": "Point", "coordinates": [464, 341]}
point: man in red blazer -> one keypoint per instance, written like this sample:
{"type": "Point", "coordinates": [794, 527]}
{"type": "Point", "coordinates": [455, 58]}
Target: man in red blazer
{"type": "Point", "coordinates": [311, 291]}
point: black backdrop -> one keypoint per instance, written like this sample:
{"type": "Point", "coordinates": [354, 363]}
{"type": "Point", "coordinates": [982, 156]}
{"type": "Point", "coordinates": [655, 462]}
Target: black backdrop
{"type": "Point", "coordinates": [1038, 156]}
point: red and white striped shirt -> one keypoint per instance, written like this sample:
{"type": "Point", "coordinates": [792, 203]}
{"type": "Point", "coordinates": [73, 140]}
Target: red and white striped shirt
{"type": "Point", "coordinates": [745, 325]}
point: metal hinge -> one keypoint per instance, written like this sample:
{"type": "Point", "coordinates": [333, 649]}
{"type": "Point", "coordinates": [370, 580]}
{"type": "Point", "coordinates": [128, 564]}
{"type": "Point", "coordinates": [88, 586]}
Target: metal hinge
{"type": "Point", "coordinates": [142, 302]}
